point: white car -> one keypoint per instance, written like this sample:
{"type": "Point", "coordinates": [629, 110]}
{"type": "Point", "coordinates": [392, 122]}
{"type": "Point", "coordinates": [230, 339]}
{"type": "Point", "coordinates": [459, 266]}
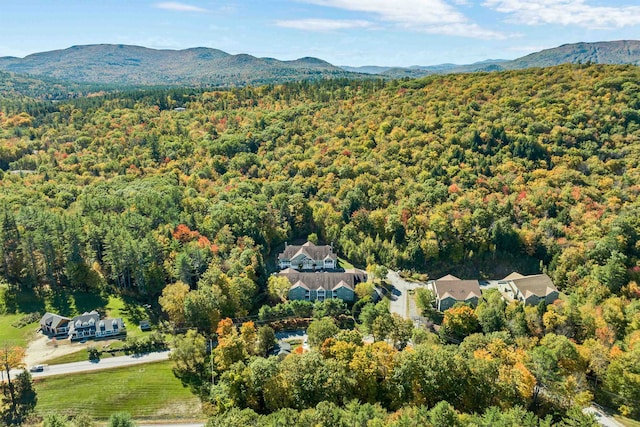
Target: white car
{"type": "Point", "coordinates": [36, 368]}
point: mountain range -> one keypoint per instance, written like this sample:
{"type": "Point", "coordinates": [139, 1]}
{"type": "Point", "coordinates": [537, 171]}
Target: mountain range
{"type": "Point", "coordinates": [136, 66]}
{"type": "Point", "coordinates": [611, 52]}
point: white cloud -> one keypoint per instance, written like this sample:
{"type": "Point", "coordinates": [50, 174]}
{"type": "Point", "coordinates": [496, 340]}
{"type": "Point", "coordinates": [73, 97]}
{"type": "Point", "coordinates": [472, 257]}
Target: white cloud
{"type": "Point", "coordinates": [323, 24]}
{"type": "Point", "coordinates": [179, 7]}
{"type": "Point", "coordinates": [566, 12]}
{"type": "Point", "coordinates": [432, 16]}
{"type": "Point", "coordinates": [465, 30]}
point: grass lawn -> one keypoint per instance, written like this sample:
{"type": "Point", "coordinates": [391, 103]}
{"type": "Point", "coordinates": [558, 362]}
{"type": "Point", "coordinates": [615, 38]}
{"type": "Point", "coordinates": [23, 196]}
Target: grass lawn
{"type": "Point", "coordinates": [78, 356]}
{"type": "Point", "coordinates": [344, 263]}
{"type": "Point", "coordinates": [130, 312]}
{"type": "Point", "coordinates": [83, 354]}
{"type": "Point", "coordinates": [147, 391]}
{"type": "Point", "coordinates": [10, 335]}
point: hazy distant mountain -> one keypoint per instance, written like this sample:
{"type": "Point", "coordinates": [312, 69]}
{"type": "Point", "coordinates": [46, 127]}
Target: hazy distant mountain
{"type": "Point", "coordinates": [135, 65]}
{"type": "Point", "coordinates": [614, 52]}
{"type": "Point", "coordinates": [366, 69]}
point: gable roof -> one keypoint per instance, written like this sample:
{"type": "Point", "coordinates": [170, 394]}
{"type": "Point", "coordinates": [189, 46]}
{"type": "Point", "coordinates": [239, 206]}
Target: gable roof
{"type": "Point", "coordinates": [459, 290]}
{"type": "Point", "coordinates": [539, 285]}
{"type": "Point", "coordinates": [110, 324]}
{"type": "Point", "coordinates": [448, 277]}
{"type": "Point", "coordinates": [53, 320]}
{"type": "Point", "coordinates": [85, 320]}
{"type": "Point", "coordinates": [324, 280]}
{"type": "Point", "coordinates": [309, 250]}
{"type": "Point", "coordinates": [514, 275]}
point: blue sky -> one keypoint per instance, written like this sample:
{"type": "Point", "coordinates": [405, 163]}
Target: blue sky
{"type": "Point", "coordinates": [343, 32]}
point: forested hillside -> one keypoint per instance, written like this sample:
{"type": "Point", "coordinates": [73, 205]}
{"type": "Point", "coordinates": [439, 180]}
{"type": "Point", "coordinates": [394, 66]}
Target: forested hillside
{"type": "Point", "coordinates": [126, 65]}
{"type": "Point", "coordinates": [611, 52]}
{"type": "Point", "coordinates": [483, 173]}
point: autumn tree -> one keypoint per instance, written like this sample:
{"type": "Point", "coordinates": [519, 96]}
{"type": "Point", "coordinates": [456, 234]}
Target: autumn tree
{"type": "Point", "coordinates": [459, 321]}
{"type": "Point", "coordinates": [172, 302]}
{"type": "Point", "coordinates": [278, 288]}
{"type": "Point", "coordinates": [18, 395]}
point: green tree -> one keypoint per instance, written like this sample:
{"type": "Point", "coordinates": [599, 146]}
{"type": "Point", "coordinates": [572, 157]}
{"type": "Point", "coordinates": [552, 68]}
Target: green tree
{"type": "Point", "coordinates": [321, 329]}
{"type": "Point", "coordinates": [18, 395]}
{"type": "Point", "coordinates": [55, 420]}
{"type": "Point", "coordinates": [614, 273]}
{"type": "Point", "coordinates": [202, 309]}
{"type": "Point", "coordinates": [278, 288]}
{"type": "Point", "coordinates": [266, 340]}
{"type": "Point", "coordinates": [17, 406]}
{"type": "Point", "coordinates": [426, 302]}
{"type": "Point", "coordinates": [401, 332]}
{"type": "Point", "coordinates": [623, 379]}
{"type": "Point", "coordinates": [443, 415]}
{"type": "Point", "coordinates": [121, 419]}
{"type": "Point", "coordinates": [491, 311]}
{"type": "Point", "coordinates": [191, 362]}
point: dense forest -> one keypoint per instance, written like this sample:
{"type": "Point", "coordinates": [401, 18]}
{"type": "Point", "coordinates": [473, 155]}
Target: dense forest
{"type": "Point", "coordinates": [480, 174]}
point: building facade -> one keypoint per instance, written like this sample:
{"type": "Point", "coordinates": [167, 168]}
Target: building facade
{"type": "Point", "coordinates": [308, 257]}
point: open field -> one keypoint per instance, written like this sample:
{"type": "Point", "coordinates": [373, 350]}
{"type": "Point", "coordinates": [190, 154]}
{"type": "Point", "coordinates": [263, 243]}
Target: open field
{"type": "Point", "coordinates": [10, 335]}
{"type": "Point", "coordinates": [147, 391]}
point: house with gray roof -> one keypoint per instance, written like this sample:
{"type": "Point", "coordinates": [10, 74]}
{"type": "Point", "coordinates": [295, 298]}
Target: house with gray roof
{"type": "Point", "coordinates": [450, 290]}
{"type": "Point", "coordinates": [89, 325]}
{"type": "Point", "coordinates": [308, 257]}
{"type": "Point", "coordinates": [532, 289]}
{"type": "Point", "coordinates": [53, 324]}
{"type": "Point", "coordinates": [318, 286]}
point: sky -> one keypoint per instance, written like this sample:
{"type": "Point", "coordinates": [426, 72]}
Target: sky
{"type": "Point", "coordinates": [343, 32]}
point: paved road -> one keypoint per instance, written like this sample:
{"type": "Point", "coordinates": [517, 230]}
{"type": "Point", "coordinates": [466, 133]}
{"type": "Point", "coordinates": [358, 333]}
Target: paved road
{"type": "Point", "coordinates": [601, 417]}
{"type": "Point", "coordinates": [107, 363]}
{"type": "Point", "coordinates": [401, 301]}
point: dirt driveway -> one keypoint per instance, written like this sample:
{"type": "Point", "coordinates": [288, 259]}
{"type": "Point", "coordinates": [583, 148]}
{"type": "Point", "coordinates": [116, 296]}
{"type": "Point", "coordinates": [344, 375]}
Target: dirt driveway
{"type": "Point", "coordinates": [43, 348]}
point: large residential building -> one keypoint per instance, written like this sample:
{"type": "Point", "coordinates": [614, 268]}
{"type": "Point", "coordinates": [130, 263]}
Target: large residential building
{"type": "Point", "coordinates": [86, 326]}
{"type": "Point", "coordinates": [318, 286]}
{"type": "Point", "coordinates": [308, 257]}
{"type": "Point", "coordinates": [54, 324]}
{"type": "Point", "coordinates": [532, 289]}
{"type": "Point", "coordinates": [450, 290]}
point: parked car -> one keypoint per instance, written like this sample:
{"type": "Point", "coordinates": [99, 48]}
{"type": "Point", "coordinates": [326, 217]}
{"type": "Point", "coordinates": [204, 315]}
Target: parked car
{"type": "Point", "coordinates": [144, 325]}
{"type": "Point", "coordinates": [36, 368]}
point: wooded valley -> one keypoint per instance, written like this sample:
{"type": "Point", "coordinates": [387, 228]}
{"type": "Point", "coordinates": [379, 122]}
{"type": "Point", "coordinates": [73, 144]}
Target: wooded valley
{"type": "Point", "coordinates": [195, 191]}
